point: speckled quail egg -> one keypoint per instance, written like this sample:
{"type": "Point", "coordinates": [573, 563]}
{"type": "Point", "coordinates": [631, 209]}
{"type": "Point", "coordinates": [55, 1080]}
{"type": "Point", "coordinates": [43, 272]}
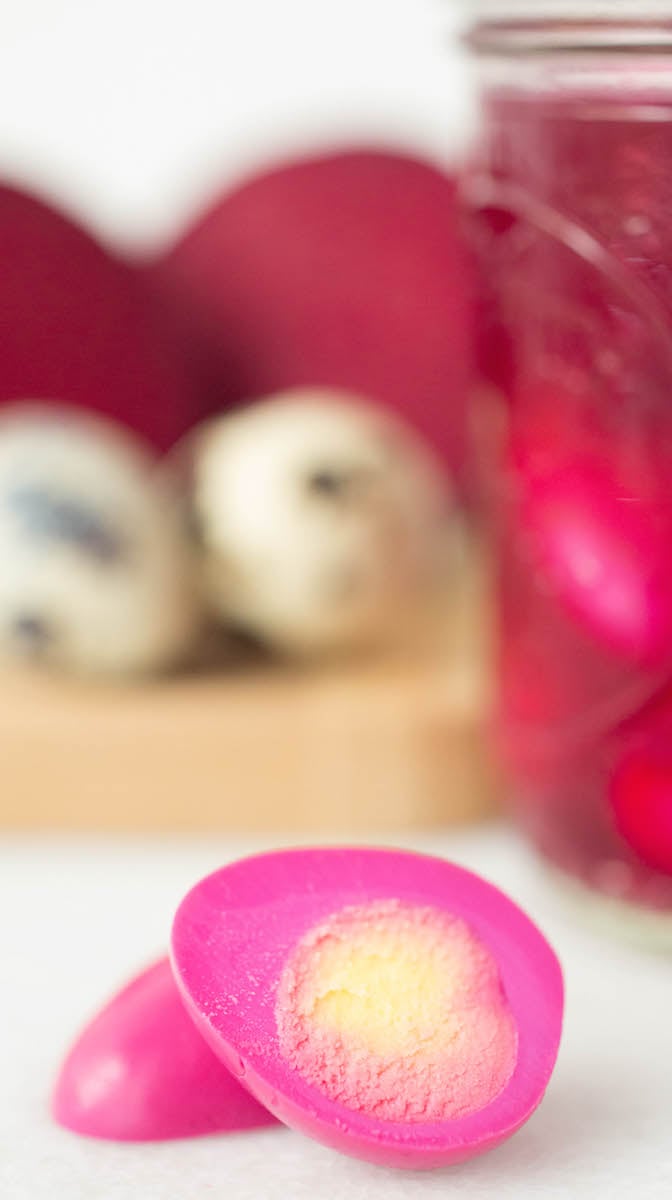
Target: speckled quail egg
{"type": "Point", "coordinates": [95, 571]}
{"type": "Point", "coordinates": [321, 520]}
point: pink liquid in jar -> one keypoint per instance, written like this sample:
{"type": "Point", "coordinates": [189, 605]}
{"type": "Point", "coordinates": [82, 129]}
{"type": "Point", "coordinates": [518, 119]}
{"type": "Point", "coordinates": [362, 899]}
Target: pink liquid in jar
{"type": "Point", "coordinates": [570, 192]}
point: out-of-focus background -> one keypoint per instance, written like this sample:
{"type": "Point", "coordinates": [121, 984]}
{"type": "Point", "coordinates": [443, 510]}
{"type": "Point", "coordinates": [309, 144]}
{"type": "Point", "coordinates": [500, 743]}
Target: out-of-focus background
{"type": "Point", "coordinates": [131, 113]}
{"type": "Point", "coordinates": [340, 265]}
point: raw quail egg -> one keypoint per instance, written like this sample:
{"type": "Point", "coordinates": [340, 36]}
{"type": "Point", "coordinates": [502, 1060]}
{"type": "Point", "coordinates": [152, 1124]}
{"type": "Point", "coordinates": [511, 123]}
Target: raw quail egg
{"type": "Point", "coordinates": [95, 567]}
{"type": "Point", "coordinates": [322, 520]}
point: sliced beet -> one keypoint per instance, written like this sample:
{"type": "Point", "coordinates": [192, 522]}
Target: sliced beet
{"type": "Point", "coordinates": [344, 269]}
{"type": "Point", "coordinates": [78, 326]}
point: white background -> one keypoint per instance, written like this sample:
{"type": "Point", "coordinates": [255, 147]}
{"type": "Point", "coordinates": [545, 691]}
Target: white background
{"type": "Point", "coordinates": [129, 111]}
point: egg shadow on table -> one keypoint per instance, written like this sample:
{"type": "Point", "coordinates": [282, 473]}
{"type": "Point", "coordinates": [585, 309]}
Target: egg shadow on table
{"type": "Point", "coordinates": [578, 1121]}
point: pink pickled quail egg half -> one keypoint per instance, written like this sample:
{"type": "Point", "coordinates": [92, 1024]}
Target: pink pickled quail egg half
{"type": "Point", "coordinates": [391, 1005]}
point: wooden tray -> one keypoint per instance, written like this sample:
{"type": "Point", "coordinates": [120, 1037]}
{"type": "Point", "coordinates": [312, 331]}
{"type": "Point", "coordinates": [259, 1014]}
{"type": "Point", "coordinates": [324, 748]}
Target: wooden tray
{"type": "Point", "coordinates": [392, 744]}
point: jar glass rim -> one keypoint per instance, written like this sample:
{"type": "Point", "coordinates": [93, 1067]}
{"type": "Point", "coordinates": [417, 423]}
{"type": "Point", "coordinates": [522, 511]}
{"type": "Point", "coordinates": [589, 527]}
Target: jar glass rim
{"type": "Point", "coordinates": [533, 26]}
{"type": "Point", "coordinates": [589, 10]}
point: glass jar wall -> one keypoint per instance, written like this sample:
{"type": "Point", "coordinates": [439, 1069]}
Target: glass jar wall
{"type": "Point", "coordinates": [570, 198]}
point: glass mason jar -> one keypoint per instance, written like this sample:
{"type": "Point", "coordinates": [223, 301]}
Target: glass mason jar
{"type": "Point", "coordinates": [570, 201]}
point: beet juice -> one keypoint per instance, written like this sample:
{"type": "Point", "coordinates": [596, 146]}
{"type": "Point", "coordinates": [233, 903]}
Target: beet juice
{"type": "Point", "coordinates": [570, 193]}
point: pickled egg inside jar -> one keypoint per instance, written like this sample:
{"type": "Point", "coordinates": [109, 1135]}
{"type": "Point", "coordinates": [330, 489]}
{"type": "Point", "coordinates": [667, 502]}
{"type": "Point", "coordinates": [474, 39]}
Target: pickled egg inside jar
{"type": "Point", "coordinates": [639, 790]}
{"type": "Point", "coordinates": [96, 574]}
{"type": "Point", "coordinates": [641, 800]}
{"type": "Point", "coordinates": [602, 538]}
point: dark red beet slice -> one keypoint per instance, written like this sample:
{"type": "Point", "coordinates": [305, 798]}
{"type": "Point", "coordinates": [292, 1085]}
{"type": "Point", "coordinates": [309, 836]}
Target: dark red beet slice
{"type": "Point", "coordinates": [345, 270]}
{"type": "Point", "coordinates": [77, 326]}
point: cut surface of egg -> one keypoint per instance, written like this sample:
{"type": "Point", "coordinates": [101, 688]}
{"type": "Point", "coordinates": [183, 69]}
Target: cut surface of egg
{"type": "Point", "coordinates": [140, 1071]}
{"type": "Point", "coordinates": [391, 1005]}
{"type": "Point", "coordinates": [323, 520]}
{"type": "Point", "coordinates": [96, 576]}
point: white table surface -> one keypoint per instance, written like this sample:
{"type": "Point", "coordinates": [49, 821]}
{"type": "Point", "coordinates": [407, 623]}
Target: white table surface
{"type": "Point", "coordinates": [78, 916]}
